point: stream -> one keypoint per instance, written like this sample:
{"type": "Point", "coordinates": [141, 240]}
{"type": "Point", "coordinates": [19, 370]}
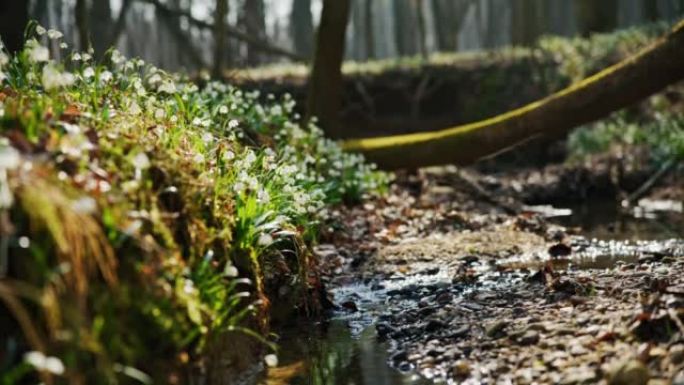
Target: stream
{"type": "Point", "coordinates": [413, 329]}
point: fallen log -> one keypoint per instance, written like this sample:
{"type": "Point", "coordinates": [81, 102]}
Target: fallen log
{"type": "Point", "coordinates": [612, 89]}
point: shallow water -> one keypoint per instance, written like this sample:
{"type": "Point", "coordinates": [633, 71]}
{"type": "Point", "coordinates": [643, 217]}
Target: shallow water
{"type": "Point", "coordinates": [346, 350]}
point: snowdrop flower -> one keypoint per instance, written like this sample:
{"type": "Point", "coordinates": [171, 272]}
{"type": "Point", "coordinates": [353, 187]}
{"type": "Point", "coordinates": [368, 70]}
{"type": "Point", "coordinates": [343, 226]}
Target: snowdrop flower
{"type": "Point", "coordinates": [54, 34]}
{"type": "Point", "coordinates": [63, 45]}
{"type": "Point", "coordinates": [87, 57]}
{"type": "Point", "coordinates": [154, 79]}
{"type": "Point", "coordinates": [141, 161]}
{"type": "Point", "coordinates": [207, 138]}
{"type": "Point", "coordinates": [40, 30]}
{"type": "Point", "coordinates": [76, 57]}
{"type": "Point", "coordinates": [44, 363]}
{"type": "Point", "coordinates": [233, 124]}
{"type": "Point", "coordinates": [174, 119]}
{"type": "Point", "coordinates": [265, 240]}
{"type": "Point", "coordinates": [134, 108]}
{"type": "Point", "coordinates": [196, 122]}
{"type": "Point", "coordinates": [223, 110]}
{"type": "Point", "coordinates": [271, 360]}
{"type": "Point", "coordinates": [230, 271]}
{"type": "Point", "coordinates": [159, 113]}
{"type": "Point", "coordinates": [228, 156]}
{"type": "Point", "coordinates": [37, 53]}
{"type": "Point", "coordinates": [4, 59]}
{"type": "Point", "coordinates": [106, 76]}
{"type": "Point", "coordinates": [189, 286]}
{"type": "Point", "coordinates": [88, 72]}
{"type": "Point", "coordinates": [263, 197]}
{"type": "Point", "coordinates": [53, 78]}
{"type": "Point", "coordinates": [85, 205]}
{"type": "Point", "coordinates": [167, 87]}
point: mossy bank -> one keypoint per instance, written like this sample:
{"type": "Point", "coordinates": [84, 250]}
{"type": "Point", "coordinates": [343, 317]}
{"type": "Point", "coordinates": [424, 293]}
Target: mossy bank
{"type": "Point", "coordinates": [148, 223]}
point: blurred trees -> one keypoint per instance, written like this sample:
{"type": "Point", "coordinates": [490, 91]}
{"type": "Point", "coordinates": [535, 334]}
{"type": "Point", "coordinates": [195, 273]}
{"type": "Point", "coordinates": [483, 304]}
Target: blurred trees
{"type": "Point", "coordinates": [302, 28]}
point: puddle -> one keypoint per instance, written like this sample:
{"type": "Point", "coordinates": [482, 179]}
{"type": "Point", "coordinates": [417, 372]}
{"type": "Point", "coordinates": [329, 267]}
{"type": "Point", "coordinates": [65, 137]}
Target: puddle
{"type": "Point", "coordinates": [333, 354]}
{"type": "Point", "coordinates": [605, 220]}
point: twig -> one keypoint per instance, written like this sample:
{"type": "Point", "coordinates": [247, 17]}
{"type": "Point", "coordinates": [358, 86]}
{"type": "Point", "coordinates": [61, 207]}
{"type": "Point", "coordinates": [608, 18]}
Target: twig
{"type": "Point", "coordinates": [648, 185]}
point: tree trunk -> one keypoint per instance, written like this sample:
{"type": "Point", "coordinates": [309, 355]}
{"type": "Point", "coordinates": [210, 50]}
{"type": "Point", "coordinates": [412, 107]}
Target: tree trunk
{"type": "Point", "coordinates": [14, 16]}
{"type": "Point", "coordinates": [220, 37]}
{"type": "Point", "coordinates": [100, 25]}
{"type": "Point", "coordinates": [82, 24]}
{"type": "Point", "coordinates": [325, 88]}
{"type": "Point", "coordinates": [614, 88]}
{"type": "Point", "coordinates": [650, 9]}
{"type": "Point", "coordinates": [596, 15]}
{"type": "Point", "coordinates": [527, 22]}
{"type": "Point", "coordinates": [422, 28]}
{"type": "Point", "coordinates": [254, 20]}
{"type": "Point", "coordinates": [301, 25]}
{"type": "Point", "coordinates": [404, 28]}
{"type": "Point", "coordinates": [369, 31]}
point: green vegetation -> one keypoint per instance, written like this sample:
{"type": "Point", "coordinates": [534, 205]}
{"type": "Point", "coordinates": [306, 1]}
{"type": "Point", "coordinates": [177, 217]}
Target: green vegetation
{"type": "Point", "coordinates": [143, 216]}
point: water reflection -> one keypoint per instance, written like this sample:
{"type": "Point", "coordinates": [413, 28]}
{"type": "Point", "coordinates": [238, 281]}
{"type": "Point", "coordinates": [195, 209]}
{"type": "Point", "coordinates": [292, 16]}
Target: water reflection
{"type": "Point", "coordinates": [331, 355]}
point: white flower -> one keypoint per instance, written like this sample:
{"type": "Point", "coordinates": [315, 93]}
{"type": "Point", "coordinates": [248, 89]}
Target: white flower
{"type": "Point", "coordinates": [134, 108]}
{"type": "Point", "coordinates": [9, 157]}
{"type": "Point", "coordinates": [265, 240]}
{"type": "Point", "coordinates": [37, 53]}
{"type": "Point", "coordinates": [76, 57]}
{"type": "Point", "coordinates": [222, 110]}
{"type": "Point", "coordinates": [85, 205]}
{"type": "Point", "coordinates": [207, 138]}
{"type": "Point", "coordinates": [233, 123]}
{"type": "Point", "coordinates": [54, 34]}
{"type": "Point", "coordinates": [4, 59]}
{"type": "Point", "coordinates": [63, 45]}
{"type": "Point", "coordinates": [44, 363]}
{"type": "Point", "coordinates": [197, 122]}
{"type": "Point", "coordinates": [53, 78]}
{"type": "Point", "coordinates": [106, 76]}
{"type": "Point", "coordinates": [40, 30]}
{"type": "Point", "coordinates": [141, 161]}
{"type": "Point", "coordinates": [159, 113]}
{"type": "Point", "coordinates": [87, 57]}
{"type": "Point", "coordinates": [199, 158]}
{"type": "Point", "coordinates": [230, 271]}
{"type": "Point", "coordinates": [228, 155]}
{"type": "Point", "coordinates": [154, 79]}
{"type": "Point", "coordinates": [271, 360]}
{"type": "Point", "coordinates": [167, 87]}
{"type": "Point", "coordinates": [250, 158]}
{"type": "Point", "coordinates": [88, 72]}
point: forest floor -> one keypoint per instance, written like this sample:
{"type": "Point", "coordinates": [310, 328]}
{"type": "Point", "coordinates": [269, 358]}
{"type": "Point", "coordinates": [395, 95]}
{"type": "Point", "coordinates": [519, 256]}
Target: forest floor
{"type": "Point", "coordinates": [465, 283]}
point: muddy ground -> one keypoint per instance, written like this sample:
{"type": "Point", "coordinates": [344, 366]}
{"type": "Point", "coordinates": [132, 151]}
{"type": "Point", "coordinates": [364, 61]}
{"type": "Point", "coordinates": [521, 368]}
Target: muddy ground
{"type": "Point", "coordinates": [466, 282]}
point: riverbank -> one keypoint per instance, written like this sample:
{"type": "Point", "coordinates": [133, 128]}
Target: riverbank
{"type": "Point", "coordinates": [152, 229]}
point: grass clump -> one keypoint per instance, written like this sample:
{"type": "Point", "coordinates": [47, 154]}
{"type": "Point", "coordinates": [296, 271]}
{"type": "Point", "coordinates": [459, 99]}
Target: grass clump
{"type": "Point", "coordinates": [143, 216]}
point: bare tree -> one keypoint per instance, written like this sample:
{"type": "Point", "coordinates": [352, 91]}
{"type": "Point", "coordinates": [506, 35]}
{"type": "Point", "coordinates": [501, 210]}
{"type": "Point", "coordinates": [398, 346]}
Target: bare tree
{"type": "Point", "coordinates": [254, 21]}
{"type": "Point", "coordinates": [220, 15]}
{"type": "Point", "coordinates": [325, 85]}
{"type": "Point", "coordinates": [302, 28]}
{"type": "Point", "coordinates": [596, 16]}
{"type": "Point", "coordinates": [369, 26]}
{"type": "Point", "coordinates": [82, 24]}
